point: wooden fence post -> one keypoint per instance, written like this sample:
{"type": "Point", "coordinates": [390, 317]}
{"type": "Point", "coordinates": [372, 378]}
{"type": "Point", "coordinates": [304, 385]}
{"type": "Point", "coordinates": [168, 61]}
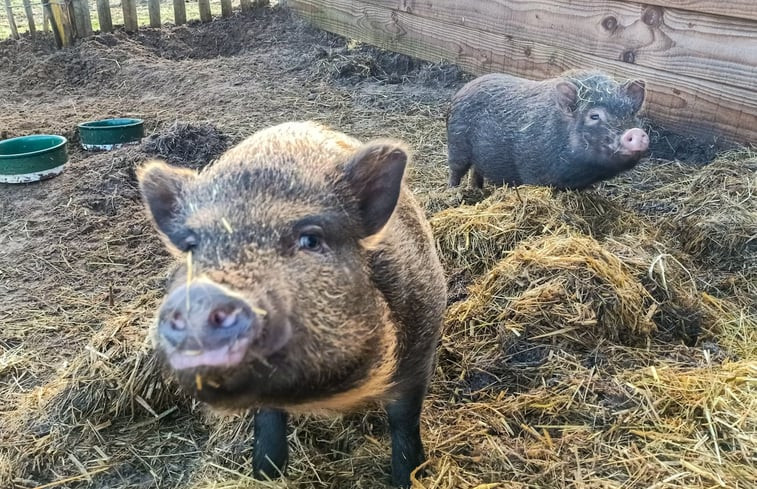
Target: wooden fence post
{"type": "Point", "coordinates": [205, 14]}
{"type": "Point", "coordinates": [30, 18]}
{"type": "Point", "coordinates": [45, 18]}
{"type": "Point", "coordinates": [103, 15]}
{"type": "Point", "coordinates": [130, 15]}
{"type": "Point", "coordinates": [153, 7]}
{"type": "Point", "coordinates": [246, 5]}
{"type": "Point", "coordinates": [82, 19]}
{"type": "Point", "coordinates": [60, 20]}
{"type": "Point", "coordinates": [11, 20]}
{"type": "Point", "coordinates": [179, 12]}
{"type": "Point", "coordinates": [225, 8]}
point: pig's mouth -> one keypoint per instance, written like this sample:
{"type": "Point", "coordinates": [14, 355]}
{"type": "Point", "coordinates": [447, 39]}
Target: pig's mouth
{"type": "Point", "coordinates": [224, 356]}
{"type": "Point", "coordinates": [260, 345]}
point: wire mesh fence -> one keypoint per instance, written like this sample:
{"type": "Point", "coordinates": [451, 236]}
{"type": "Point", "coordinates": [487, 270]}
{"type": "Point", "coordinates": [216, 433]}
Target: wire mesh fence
{"type": "Point", "coordinates": [20, 17]}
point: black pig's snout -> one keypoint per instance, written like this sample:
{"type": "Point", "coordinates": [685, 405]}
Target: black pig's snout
{"type": "Point", "coordinates": [202, 325]}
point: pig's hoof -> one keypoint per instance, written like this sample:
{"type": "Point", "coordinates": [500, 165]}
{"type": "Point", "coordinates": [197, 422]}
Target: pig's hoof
{"type": "Point", "coordinates": [270, 451]}
{"type": "Point", "coordinates": [266, 470]}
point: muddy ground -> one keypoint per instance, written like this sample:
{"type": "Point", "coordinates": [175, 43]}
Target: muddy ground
{"type": "Point", "coordinates": [81, 270]}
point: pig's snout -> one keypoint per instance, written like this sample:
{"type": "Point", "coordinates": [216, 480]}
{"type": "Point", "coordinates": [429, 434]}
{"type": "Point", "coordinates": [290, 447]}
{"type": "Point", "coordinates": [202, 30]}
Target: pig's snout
{"type": "Point", "coordinates": [201, 325]}
{"type": "Point", "coordinates": [634, 140]}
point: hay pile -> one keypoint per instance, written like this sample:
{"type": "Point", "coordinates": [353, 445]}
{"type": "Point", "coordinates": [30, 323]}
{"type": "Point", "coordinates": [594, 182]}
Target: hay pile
{"type": "Point", "coordinates": [566, 280]}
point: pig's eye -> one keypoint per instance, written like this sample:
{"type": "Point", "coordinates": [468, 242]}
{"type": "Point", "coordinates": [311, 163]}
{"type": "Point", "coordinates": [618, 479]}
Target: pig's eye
{"type": "Point", "coordinates": [189, 242]}
{"type": "Point", "coordinates": [310, 242]}
{"type": "Point", "coordinates": [594, 117]}
{"type": "Point", "coordinates": [310, 239]}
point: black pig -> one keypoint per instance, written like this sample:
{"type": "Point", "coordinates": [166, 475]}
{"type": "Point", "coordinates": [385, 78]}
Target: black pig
{"type": "Point", "coordinates": [310, 282]}
{"type": "Point", "coordinates": [568, 132]}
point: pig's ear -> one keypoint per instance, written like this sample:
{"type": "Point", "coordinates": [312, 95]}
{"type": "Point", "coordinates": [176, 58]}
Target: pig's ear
{"type": "Point", "coordinates": [635, 90]}
{"type": "Point", "coordinates": [566, 96]}
{"type": "Point", "coordinates": [374, 174]}
{"type": "Point", "coordinates": [162, 187]}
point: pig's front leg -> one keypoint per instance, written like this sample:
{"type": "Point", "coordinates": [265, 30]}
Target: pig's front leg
{"type": "Point", "coordinates": [270, 450]}
{"type": "Point", "coordinates": [404, 425]}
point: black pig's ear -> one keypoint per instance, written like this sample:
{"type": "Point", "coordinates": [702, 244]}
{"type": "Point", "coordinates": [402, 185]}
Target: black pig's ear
{"type": "Point", "coordinates": [635, 90]}
{"type": "Point", "coordinates": [566, 96]}
{"type": "Point", "coordinates": [162, 186]}
{"type": "Point", "coordinates": [374, 174]}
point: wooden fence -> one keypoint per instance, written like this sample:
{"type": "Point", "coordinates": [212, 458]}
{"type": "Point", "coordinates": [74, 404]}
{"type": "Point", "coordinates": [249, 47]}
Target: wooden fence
{"type": "Point", "coordinates": [699, 57]}
{"type": "Point", "coordinates": [71, 19]}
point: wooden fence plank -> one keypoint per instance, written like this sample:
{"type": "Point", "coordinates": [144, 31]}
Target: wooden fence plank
{"type": "Point", "coordinates": [129, 8]}
{"type": "Point", "coordinates": [179, 12]}
{"type": "Point", "coordinates": [742, 9]}
{"type": "Point", "coordinates": [11, 19]}
{"type": "Point", "coordinates": [700, 45]}
{"type": "Point", "coordinates": [153, 8]}
{"type": "Point", "coordinates": [45, 18]}
{"type": "Point", "coordinates": [688, 105]}
{"type": "Point", "coordinates": [82, 18]}
{"type": "Point", "coordinates": [103, 15]}
{"type": "Point", "coordinates": [61, 22]}
{"type": "Point", "coordinates": [246, 5]}
{"type": "Point", "coordinates": [225, 8]}
{"type": "Point", "coordinates": [205, 14]}
{"type": "Point", "coordinates": [30, 18]}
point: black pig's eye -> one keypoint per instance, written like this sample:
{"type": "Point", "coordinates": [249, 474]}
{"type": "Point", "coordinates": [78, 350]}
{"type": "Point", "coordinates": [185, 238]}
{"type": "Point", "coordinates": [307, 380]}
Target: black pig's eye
{"type": "Point", "coordinates": [189, 241]}
{"type": "Point", "coordinates": [310, 242]}
{"type": "Point", "coordinates": [594, 117]}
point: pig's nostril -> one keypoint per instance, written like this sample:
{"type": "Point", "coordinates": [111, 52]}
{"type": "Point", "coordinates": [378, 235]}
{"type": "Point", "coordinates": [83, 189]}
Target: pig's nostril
{"type": "Point", "coordinates": [223, 317]}
{"type": "Point", "coordinates": [177, 321]}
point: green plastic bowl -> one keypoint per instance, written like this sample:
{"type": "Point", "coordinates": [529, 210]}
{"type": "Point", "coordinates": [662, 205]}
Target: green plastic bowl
{"type": "Point", "coordinates": [32, 158]}
{"type": "Point", "coordinates": [109, 134]}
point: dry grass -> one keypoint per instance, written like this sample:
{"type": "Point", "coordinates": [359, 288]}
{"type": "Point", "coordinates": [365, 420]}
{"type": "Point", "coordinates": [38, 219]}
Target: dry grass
{"type": "Point", "coordinates": [716, 218]}
{"type": "Point", "coordinates": [599, 339]}
{"type": "Point", "coordinates": [476, 236]}
{"type": "Point", "coordinates": [566, 280]}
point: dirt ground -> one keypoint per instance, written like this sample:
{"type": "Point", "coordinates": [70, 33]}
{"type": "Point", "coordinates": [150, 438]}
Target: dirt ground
{"type": "Point", "coordinates": [657, 391]}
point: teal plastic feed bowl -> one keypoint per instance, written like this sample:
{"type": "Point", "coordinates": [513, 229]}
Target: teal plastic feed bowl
{"type": "Point", "coordinates": [107, 134]}
{"type": "Point", "coordinates": [32, 158]}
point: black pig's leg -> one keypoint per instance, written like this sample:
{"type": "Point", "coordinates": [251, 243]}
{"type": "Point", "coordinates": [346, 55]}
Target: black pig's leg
{"type": "Point", "coordinates": [477, 180]}
{"type": "Point", "coordinates": [270, 450]}
{"type": "Point", "coordinates": [458, 167]}
{"type": "Point", "coordinates": [404, 424]}
{"type": "Point", "coordinates": [456, 174]}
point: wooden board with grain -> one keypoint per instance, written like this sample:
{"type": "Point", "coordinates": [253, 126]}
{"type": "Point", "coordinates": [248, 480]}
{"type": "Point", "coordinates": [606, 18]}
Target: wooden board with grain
{"type": "Point", "coordinates": [742, 9]}
{"type": "Point", "coordinates": [701, 108]}
{"type": "Point", "coordinates": [679, 41]}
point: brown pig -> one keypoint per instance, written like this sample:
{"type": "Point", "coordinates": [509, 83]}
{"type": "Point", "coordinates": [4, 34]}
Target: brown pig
{"type": "Point", "coordinates": [308, 281]}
